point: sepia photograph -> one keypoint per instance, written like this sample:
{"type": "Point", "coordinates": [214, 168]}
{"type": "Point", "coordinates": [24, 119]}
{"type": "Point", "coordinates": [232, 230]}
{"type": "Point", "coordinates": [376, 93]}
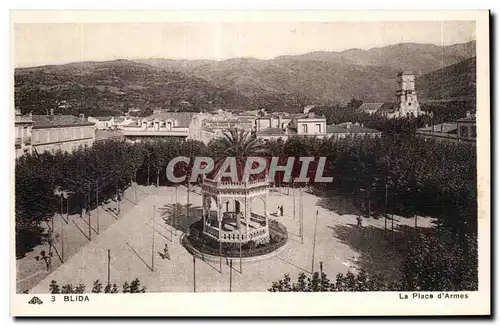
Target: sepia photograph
{"type": "Point", "coordinates": [243, 156]}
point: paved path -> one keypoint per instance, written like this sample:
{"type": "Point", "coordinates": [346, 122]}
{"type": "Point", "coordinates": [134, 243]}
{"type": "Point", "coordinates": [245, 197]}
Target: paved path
{"type": "Point", "coordinates": [130, 241]}
{"type": "Point", "coordinates": [75, 231]}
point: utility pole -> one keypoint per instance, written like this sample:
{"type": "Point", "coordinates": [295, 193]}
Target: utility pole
{"type": "Point", "coordinates": [301, 226]}
{"type": "Point", "coordinates": [90, 219]}
{"type": "Point", "coordinates": [369, 199]}
{"type": "Point", "coordinates": [109, 264]}
{"type": "Point", "coordinates": [194, 273]}
{"type": "Point", "coordinates": [293, 194]}
{"type": "Point", "coordinates": [386, 212]}
{"type": "Point", "coordinates": [174, 224]}
{"type": "Point", "coordinates": [97, 203]}
{"type": "Point", "coordinates": [230, 275]}
{"type": "Point", "coordinates": [241, 265]}
{"type": "Point", "coordinates": [135, 187]}
{"type": "Point", "coordinates": [62, 240]}
{"type": "Point", "coordinates": [220, 254]}
{"type": "Point", "coordinates": [61, 197]}
{"type": "Point", "coordinates": [117, 197]}
{"type": "Point", "coordinates": [314, 242]}
{"type": "Point", "coordinates": [392, 227]}
{"type": "Point", "coordinates": [67, 210]}
{"type": "Point", "coordinates": [153, 245]}
{"type": "Point", "coordinates": [148, 179]}
{"type": "Point", "coordinates": [415, 206]}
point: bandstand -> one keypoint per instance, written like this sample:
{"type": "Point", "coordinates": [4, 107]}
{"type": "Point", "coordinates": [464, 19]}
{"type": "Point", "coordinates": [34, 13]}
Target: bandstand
{"type": "Point", "coordinates": [227, 210]}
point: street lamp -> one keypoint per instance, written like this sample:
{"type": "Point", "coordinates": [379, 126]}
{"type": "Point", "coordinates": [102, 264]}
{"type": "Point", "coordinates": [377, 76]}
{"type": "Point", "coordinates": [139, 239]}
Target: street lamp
{"type": "Point", "coordinates": [314, 242]}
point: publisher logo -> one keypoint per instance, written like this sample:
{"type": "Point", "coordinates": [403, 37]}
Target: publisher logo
{"type": "Point", "coordinates": [35, 300]}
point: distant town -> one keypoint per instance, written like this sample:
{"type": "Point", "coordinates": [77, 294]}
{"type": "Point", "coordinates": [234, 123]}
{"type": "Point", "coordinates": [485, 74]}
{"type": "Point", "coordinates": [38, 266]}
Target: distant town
{"type": "Point", "coordinates": [54, 132]}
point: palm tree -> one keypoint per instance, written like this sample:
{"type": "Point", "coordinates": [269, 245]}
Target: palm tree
{"type": "Point", "coordinates": [237, 143]}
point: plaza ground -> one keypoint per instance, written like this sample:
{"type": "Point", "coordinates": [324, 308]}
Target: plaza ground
{"type": "Point", "coordinates": [339, 244]}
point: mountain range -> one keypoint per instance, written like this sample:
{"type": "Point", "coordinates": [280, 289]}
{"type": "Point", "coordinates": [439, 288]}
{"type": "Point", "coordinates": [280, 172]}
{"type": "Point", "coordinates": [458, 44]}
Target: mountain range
{"type": "Point", "coordinates": [283, 83]}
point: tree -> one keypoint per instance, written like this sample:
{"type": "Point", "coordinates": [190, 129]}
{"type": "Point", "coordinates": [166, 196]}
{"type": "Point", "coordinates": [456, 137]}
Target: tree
{"type": "Point", "coordinates": [133, 287]}
{"type": "Point", "coordinates": [431, 264]}
{"type": "Point", "coordinates": [344, 283]}
{"type": "Point", "coordinates": [354, 103]}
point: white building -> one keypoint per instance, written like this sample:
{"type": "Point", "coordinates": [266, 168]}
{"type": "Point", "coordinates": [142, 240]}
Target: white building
{"type": "Point", "coordinates": [159, 125]}
{"type": "Point", "coordinates": [64, 133]}
{"type": "Point", "coordinates": [103, 123]}
{"type": "Point", "coordinates": [282, 126]}
{"type": "Point", "coordinates": [23, 125]}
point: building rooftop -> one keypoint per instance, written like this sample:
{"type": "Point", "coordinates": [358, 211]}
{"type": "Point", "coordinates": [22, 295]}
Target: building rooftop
{"type": "Point", "coordinates": [447, 127]}
{"type": "Point", "coordinates": [183, 118]}
{"type": "Point", "coordinates": [349, 128]}
{"type": "Point", "coordinates": [370, 107]}
{"type": "Point", "coordinates": [103, 118]}
{"type": "Point", "coordinates": [470, 118]}
{"type": "Point", "coordinates": [387, 108]}
{"type": "Point", "coordinates": [406, 72]}
{"type": "Point", "coordinates": [53, 121]}
{"type": "Point", "coordinates": [276, 132]}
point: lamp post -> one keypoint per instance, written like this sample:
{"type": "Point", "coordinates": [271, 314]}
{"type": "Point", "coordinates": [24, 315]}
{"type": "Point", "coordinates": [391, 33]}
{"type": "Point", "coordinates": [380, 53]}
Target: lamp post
{"type": "Point", "coordinates": [109, 270]}
{"type": "Point", "coordinates": [314, 242]}
{"type": "Point", "coordinates": [386, 212]}
{"type": "Point", "coordinates": [301, 216]}
{"type": "Point", "coordinates": [194, 273]}
{"type": "Point", "coordinates": [153, 244]}
{"type": "Point", "coordinates": [97, 203]}
{"type": "Point", "coordinates": [230, 275]}
{"type": "Point", "coordinates": [62, 239]}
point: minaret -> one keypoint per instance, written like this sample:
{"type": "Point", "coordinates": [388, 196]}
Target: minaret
{"type": "Point", "coordinates": [406, 96]}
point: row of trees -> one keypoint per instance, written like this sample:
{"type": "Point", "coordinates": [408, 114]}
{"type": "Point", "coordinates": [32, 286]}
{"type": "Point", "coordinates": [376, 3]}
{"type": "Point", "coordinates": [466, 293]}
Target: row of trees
{"type": "Point", "coordinates": [410, 174]}
{"type": "Point", "coordinates": [97, 287]}
{"type": "Point", "coordinates": [407, 173]}
{"type": "Point", "coordinates": [428, 265]}
{"type": "Point", "coordinates": [85, 178]}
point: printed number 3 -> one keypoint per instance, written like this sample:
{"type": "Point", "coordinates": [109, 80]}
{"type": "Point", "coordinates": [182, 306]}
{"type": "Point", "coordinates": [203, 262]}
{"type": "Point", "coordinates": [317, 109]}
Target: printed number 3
{"type": "Point", "coordinates": [53, 298]}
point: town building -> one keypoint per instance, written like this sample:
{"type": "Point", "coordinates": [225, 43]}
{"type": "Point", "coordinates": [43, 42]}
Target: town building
{"type": "Point", "coordinates": [208, 126]}
{"type": "Point", "coordinates": [351, 130]}
{"type": "Point", "coordinates": [111, 123]}
{"type": "Point", "coordinates": [64, 133]}
{"type": "Point", "coordinates": [160, 125]}
{"type": "Point", "coordinates": [23, 125]}
{"type": "Point", "coordinates": [282, 126]}
{"type": "Point", "coordinates": [103, 123]}
{"type": "Point", "coordinates": [462, 130]}
{"type": "Point", "coordinates": [406, 103]}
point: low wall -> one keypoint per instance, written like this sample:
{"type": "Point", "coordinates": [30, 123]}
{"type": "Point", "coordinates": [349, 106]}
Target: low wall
{"type": "Point", "coordinates": [215, 259]}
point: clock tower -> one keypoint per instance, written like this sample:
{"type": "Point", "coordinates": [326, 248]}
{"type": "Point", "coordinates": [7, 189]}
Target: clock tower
{"type": "Point", "coordinates": [406, 96]}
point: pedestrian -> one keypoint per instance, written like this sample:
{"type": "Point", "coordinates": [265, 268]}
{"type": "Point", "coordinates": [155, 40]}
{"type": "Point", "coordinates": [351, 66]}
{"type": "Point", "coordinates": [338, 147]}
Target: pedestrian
{"type": "Point", "coordinates": [165, 252]}
{"type": "Point", "coordinates": [359, 218]}
{"type": "Point", "coordinates": [278, 211]}
{"type": "Point", "coordinates": [281, 209]}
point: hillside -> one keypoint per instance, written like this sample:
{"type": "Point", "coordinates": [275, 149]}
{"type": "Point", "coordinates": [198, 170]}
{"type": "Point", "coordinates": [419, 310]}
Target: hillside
{"type": "Point", "coordinates": [284, 83]}
{"type": "Point", "coordinates": [332, 77]}
{"type": "Point", "coordinates": [457, 81]}
{"type": "Point", "coordinates": [113, 87]}
{"type": "Point", "coordinates": [421, 58]}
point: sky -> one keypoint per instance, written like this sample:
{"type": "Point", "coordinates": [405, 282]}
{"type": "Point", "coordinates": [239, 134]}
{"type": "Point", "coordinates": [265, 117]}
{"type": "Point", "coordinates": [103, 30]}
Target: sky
{"type": "Point", "coordinates": [57, 43]}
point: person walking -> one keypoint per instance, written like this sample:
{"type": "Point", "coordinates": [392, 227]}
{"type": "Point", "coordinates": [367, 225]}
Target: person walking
{"type": "Point", "coordinates": [281, 210]}
{"type": "Point", "coordinates": [165, 252]}
{"type": "Point", "coordinates": [359, 219]}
